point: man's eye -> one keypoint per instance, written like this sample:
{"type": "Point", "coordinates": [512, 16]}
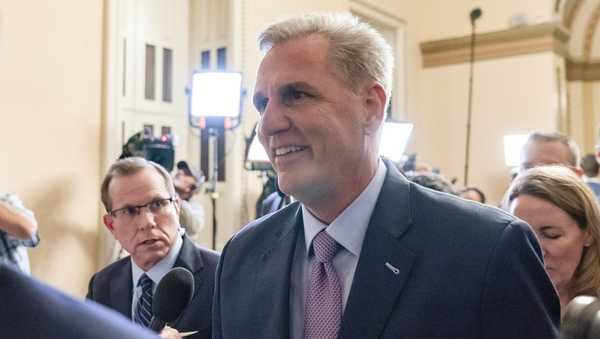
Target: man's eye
{"type": "Point", "coordinates": [131, 211]}
{"type": "Point", "coordinates": [156, 204]}
{"type": "Point", "coordinates": [296, 95]}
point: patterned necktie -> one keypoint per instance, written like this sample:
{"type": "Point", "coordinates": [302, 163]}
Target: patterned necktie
{"type": "Point", "coordinates": [323, 308]}
{"type": "Point", "coordinates": [143, 312]}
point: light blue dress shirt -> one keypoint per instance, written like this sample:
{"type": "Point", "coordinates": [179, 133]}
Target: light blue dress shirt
{"type": "Point", "coordinates": [157, 272]}
{"type": "Point", "coordinates": [348, 229]}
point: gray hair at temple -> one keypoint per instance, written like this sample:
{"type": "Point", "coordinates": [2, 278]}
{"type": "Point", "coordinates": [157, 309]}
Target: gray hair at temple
{"type": "Point", "coordinates": [357, 50]}
{"type": "Point", "coordinates": [131, 166]}
{"type": "Point", "coordinates": [558, 137]}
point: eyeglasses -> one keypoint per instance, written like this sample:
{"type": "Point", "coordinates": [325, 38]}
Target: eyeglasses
{"type": "Point", "coordinates": [157, 206]}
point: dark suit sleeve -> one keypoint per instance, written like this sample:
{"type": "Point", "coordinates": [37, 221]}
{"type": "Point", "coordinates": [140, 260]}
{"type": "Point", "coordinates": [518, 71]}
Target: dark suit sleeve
{"type": "Point", "coordinates": [31, 309]}
{"type": "Point", "coordinates": [519, 300]}
{"type": "Point", "coordinates": [90, 292]}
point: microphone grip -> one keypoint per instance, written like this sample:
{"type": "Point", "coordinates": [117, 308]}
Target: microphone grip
{"type": "Point", "coordinates": [156, 324]}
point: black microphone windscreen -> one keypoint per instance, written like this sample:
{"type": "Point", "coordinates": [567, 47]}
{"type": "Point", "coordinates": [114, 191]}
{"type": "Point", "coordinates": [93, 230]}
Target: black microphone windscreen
{"type": "Point", "coordinates": [173, 293]}
{"type": "Point", "coordinates": [475, 14]}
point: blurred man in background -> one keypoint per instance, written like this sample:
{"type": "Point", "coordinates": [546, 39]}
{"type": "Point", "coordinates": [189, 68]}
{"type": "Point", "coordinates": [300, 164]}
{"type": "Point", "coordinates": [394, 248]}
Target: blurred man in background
{"type": "Point", "coordinates": [187, 183]}
{"type": "Point", "coordinates": [590, 167]}
{"type": "Point", "coordinates": [472, 193]}
{"type": "Point", "coordinates": [550, 149]}
{"type": "Point", "coordinates": [18, 231]}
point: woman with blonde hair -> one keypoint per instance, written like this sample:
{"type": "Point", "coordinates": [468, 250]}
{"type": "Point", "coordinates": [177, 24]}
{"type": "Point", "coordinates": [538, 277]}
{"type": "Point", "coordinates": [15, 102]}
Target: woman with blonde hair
{"type": "Point", "coordinates": [564, 213]}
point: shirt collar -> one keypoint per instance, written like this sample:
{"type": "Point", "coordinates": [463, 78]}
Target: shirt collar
{"type": "Point", "coordinates": [594, 179]}
{"type": "Point", "coordinates": [158, 271]}
{"type": "Point", "coordinates": [348, 228]}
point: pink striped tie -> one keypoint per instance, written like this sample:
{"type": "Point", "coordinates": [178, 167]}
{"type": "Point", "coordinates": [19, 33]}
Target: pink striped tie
{"type": "Point", "coordinates": [323, 308]}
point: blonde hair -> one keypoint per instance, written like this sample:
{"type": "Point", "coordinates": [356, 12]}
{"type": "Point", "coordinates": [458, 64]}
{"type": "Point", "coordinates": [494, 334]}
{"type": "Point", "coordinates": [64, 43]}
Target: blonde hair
{"type": "Point", "coordinates": [561, 187]}
{"type": "Point", "coordinates": [356, 49]}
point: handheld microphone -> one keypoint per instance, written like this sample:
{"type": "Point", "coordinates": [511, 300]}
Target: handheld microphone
{"type": "Point", "coordinates": [475, 14]}
{"type": "Point", "coordinates": [173, 293]}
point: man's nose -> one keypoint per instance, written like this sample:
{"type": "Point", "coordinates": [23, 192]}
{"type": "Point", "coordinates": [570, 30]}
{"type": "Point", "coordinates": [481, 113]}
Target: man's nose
{"type": "Point", "coordinates": [274, 119]}
{"type": "Point", "coordinates": [146, 218]}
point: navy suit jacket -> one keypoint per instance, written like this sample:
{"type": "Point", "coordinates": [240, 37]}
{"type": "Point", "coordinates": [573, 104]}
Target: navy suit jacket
{"type": "Point", "coordinates": [31, 310]}
{"type": "Point", "coordinates": [465, 271]}
{"type": "Point", "coordinates": [112, 287]}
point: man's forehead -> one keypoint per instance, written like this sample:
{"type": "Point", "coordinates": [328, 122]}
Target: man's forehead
{"type": "Point", "coordinates": [141, 183]}
{"type": "Point", "coordinates": [288, 58]}
{"type": "Point", "coordinates": [540, 152]}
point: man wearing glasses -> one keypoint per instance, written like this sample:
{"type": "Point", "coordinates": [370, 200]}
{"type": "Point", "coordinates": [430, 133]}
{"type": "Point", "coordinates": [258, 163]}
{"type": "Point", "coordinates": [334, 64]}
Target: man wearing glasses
{"type": "Point", "coordinates": [143, 216]}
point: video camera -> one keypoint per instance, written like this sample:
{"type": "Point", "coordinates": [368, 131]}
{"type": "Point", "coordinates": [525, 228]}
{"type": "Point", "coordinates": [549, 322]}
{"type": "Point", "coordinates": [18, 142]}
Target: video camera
{"type": "Point", "coordinates": [160, 150]}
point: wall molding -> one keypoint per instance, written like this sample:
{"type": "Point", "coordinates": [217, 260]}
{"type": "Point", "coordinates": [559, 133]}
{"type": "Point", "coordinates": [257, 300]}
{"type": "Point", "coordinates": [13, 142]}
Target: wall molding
{"type": "Point", "coordinates": [583, 71]}
{"type": "Point", "coordinates": [545, 37]}
{"type": "Point", "coordinates": [570, 9]}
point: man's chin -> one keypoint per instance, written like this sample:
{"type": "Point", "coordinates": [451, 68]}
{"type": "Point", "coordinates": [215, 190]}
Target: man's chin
{"type": "Point", "coordinates": [148, 261]}
{"type": "Point", "coordinates": [293, 184]}
{"type": "Point", "coordinates": [152, 252]}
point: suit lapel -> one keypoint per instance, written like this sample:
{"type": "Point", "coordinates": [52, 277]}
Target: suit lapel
{"type": "Point", "coordinates": [272, 279]}
{"type": "Point", "coordinates": [121, 291]}
{"type": "Point", "coordinates": [384, 264]}
{"type": "Point", "coordinates": [190, 259]}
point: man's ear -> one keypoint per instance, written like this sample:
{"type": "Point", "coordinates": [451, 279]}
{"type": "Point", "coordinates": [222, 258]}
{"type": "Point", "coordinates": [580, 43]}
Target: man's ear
{"type": "Point", "coordinates": [108, 222]}
{"type": "Point", "coordinates": [375, 99]}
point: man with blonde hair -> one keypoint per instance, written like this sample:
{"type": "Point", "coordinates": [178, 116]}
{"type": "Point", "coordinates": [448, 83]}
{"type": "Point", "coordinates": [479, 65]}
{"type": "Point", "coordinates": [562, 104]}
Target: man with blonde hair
{"type": "Point", "coordinates": [363, 253]}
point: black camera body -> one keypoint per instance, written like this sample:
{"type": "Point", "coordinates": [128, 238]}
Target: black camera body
{"type": "Point", "coordinates": [159, 150]}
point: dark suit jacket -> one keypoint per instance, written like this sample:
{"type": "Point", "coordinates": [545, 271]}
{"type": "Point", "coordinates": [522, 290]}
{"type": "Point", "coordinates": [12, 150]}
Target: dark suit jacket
{"type": "Point", "coordinates": [112, 287]}
{"type": "Point", "coordinates": [30, 310]}
{"type": "Point", "coordinates": [466, 271]}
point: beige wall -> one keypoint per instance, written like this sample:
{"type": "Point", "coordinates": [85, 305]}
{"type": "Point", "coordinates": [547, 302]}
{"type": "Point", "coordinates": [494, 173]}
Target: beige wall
{"type": "Point", "coordinates": [511, 96]}
{"type": "Point", "coordinates": [443, 19]}
{"type": "Point", "coordinates": [584, 105]}
{"type": "Point", "coordinates": [50, 64]}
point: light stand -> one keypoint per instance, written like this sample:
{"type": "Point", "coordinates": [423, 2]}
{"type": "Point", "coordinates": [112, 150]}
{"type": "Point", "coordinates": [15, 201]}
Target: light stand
{"type": "Point", "coordinates": [215, 105]}
{"type": "Point", "coordinates": [475, 14]}
{"type": "Point", "coordinates": [213, 137]}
